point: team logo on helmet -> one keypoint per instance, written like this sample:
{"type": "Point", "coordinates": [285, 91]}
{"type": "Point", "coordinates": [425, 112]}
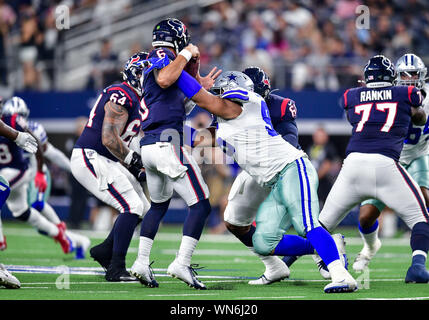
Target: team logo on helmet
{"type": "Point", "coordinates": [177, 27]}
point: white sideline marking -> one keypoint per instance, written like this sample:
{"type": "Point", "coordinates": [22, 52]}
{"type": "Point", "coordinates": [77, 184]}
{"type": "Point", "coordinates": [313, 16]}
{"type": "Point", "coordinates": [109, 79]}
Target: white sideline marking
{"type": "Point", "coordinates": [182, 295]}
{"type": "Point", "coordinates": [410, 298]}
{"type": "Point", "coordinates": [253, 298]}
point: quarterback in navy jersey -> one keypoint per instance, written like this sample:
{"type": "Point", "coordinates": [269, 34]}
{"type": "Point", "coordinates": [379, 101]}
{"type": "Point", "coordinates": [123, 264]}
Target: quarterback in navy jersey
{"type": "Point", "coordinates": [168, 166]}
{"type": "Point", "coordinates": [103, 162]}
{"type": "Point", "coordinates": [380, 114]}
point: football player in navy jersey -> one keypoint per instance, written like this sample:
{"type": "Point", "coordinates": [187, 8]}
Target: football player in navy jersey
{"type": "Point", "coordinates": [15, 168]}
{"type": "Point", "coordinates": [105, 165]}
{"type": "Point", "coordinates": [169, 167]}
{"type": "Point", "coordinates": [28, 143]}
{"type": "Point", "coordinates": [380, 114]}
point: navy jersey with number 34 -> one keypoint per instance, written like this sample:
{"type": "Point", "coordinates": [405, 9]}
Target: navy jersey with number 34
{"type": "Point", "coordinates": [380, 118]}
{"type": "Point", "coordinates": [121, 94]}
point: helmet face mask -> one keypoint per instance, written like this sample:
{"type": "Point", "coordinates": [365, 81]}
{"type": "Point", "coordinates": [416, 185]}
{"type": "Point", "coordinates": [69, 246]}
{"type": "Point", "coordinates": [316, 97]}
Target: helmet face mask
{"type": "Point", "coordinates": [133, 71]}
{"type": "Point", "coordinates": [171, 33]}
{"type": "Point", "coordinates": [231, 80]}
{"type": "Point", "coordinates": [411, 71]}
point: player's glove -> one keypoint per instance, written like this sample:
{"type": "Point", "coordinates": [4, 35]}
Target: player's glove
{"type": "Point", "coordinates": [26, 141]}
{"type": "Point", "coordinates": [135, 165]}
{"type": "Point", "coordinates": [237, 95]}
{"type": "Point", "coordinates": [40, 181]}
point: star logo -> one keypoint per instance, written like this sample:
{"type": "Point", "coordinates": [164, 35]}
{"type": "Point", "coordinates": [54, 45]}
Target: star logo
{"type": "Point", "coordinates": [232, 77]}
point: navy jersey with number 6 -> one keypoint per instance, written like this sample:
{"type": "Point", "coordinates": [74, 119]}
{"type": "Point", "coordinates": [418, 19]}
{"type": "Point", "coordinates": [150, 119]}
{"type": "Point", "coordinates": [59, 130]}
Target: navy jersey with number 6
{"type": "Point", "coordinates": [121, 94]}
{"type": "Point", "coordinates": [165, 108]}
{"type": "Point", "coordinates": [12, 156]}
{"type": "Point", "coordinates": [380, 118]}
{"type": "Point", "coordinates": [283, 113]}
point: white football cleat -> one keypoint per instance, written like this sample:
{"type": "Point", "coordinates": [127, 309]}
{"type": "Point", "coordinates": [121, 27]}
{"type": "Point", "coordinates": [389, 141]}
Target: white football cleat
{"type": "Point", "coordinates": [365, 255]}
{"type": "Point", "coordinates": [273, 274]}
{"type": "Point", "coordinates": [186, 274]}
{"type": "Point", "coordinates": [342, 281]}
{"type": "Point", "coordinates": [7, 279]}
{"type": "Point", "coordinates": [143, 272]}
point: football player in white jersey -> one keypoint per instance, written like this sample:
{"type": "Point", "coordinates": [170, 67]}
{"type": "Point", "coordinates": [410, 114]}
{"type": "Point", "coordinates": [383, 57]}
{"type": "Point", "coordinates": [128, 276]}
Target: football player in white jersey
{"type": "Point", "coordinates": [36, 198]}
{"type": "Point", "coordinates": [245, 132]}
{"type": "Point", "coordinates": [411, 71]}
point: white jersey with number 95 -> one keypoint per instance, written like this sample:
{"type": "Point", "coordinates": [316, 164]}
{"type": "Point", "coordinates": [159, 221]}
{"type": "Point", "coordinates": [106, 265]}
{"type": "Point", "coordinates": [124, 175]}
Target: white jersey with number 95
{"type": "Point", "coordinates": [251, 140]}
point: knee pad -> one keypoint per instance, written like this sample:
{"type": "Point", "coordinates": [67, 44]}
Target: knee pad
{"type": "Point", "coordinates": [262, 245]}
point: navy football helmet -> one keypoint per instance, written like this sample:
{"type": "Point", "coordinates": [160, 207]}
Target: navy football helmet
{"type": "Point", "coordinates": [172, 33]}
{"type": "Point", "coordinates": [261, 81]}
{"type": "Point", "coordinates": [133, 71]}
{"type": "Point", "coordinates": [379, 69]}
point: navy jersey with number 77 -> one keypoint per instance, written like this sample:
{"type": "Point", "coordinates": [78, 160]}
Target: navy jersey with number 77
{"type": "Point", "coordinates": [121, 94]}
{"type": "Point", "coordinates": [380, 118]}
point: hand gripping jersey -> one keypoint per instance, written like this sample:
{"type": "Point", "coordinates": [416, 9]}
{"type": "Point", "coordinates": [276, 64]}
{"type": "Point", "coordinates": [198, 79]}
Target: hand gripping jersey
{"type": "Point", "coordinates": [12, 156]}
{"type": "Point", "coordinates": [380, 118]}
{"type": "Point", "coordinates": [120, 94]}
{"type": "Point", "coordinates": [252, 141]}
{"type": "Point", "coordinates": [164, 108]}
{"type": "Point", "coordinates": [283, 113]}
{"type": "Point", "coordinates": [416, 142]}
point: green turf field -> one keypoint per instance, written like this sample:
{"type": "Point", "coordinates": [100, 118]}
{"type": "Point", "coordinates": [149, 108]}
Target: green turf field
{"type": "Point", "coordinates": [228, 266]}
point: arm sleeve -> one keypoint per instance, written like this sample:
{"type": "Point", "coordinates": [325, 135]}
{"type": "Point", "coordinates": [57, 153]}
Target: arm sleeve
{"type": "Point", "coordinates": [56, 156]}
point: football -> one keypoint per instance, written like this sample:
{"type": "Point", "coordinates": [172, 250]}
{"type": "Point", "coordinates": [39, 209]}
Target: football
{"type": "Point", "coordinates": [193, 67]}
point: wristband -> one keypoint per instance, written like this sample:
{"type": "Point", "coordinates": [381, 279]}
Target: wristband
{"type": "Point", "coordinates": [129, 157]}
{"type": "Point", "coordinates": [188, 85]}
{"type": "Point", "coordinates": [186, 54]}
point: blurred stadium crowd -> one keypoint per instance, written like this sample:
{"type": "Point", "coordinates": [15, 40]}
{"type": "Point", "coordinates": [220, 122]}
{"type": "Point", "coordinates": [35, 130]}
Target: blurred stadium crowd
{"type": "Point", "coordinates": [301, 43]}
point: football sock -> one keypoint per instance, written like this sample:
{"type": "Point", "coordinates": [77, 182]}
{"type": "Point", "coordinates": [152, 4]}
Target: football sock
{"type": "Point", "coordinates": [292, 245]}
{"type": "Point", "coordinates": [186, 250]}
{"type": "Point", "coordinates": [369, 235]}
{"type": "Point", "coordinates": [50, 214]}
{"type": "Point", "coordinates": [419, 242]}
{"type": "Point", "coordinates": [38, 221]}
{"type": "Point", "coordinates": [196, 219]}
{"type": "Point", "coordinates": [324, 244]}
{"type": "Point", "coordinates": [123, 233]}
{"type": "Point", "coordinates": [145, 246]}
{"type": "Point", "coordinates": [246, 238]}
{"type": "Point", "coordinates": [153, 218]}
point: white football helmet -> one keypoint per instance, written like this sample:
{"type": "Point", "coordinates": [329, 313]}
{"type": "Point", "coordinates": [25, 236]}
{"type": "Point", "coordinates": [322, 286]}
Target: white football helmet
{"type": "Point", "coordinates": [410, 65]}
{"type": "Point", "coordinates": [16, 105]}
{"type": "Point", "coordinates": [232, 79]}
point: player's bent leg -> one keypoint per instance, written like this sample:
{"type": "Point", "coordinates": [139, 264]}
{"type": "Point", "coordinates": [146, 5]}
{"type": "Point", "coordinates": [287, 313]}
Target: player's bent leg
{"type": "Point", "coordinates": [401, 193]}
{"type": "Point", "coordinates": [368, 229]}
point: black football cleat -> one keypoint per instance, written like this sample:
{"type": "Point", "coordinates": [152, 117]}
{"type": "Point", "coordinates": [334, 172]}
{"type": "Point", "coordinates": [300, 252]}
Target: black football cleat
{"type": "Point", "coordinates": [115, 274]}
{"type": "Point", "coordinates": [417, 273]}
{"type": "Point", "coordinates": [102, 254]}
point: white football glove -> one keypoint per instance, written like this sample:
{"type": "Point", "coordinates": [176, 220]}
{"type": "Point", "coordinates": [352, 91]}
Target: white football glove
{"type": "Point", "coordinates": [26, 141]}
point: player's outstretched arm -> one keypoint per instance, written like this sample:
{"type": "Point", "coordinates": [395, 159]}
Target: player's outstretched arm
{"type": "Point", "coordinates": [168, 75]}
{"type": "Point", "coordinates": [22, 139]}
{"type": "Point", "coordinates": [220, 107]}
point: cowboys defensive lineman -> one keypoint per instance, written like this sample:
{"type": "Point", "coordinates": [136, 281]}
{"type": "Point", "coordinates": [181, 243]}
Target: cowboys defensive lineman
{"type": "Point", "coordinates": [245, 131]}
